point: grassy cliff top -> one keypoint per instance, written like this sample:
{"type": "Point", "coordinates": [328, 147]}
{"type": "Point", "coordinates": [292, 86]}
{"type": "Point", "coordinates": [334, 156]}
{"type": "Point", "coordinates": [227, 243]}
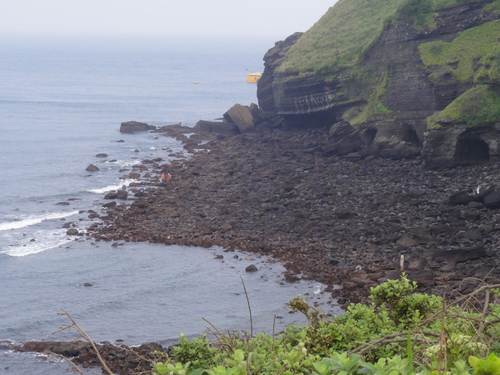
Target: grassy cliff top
{"type": "Point", "coordinates": [348, 28]}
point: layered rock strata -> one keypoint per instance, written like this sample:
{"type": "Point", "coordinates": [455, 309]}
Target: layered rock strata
{"type": "Point", "coordinates": [391, 92]}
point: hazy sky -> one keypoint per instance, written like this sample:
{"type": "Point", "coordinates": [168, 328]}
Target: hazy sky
{"type": "Point", "coordinates": [161, 17]}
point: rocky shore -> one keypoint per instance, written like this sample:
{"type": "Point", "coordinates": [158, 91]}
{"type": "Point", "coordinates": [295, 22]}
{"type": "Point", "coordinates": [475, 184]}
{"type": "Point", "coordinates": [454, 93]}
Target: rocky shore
{"type": "Point", "coordinates": [123, 360]}
{"type": "Point", "coordinates": [344, 221]}
{"type": "Point", "coordinates": [352, 221]}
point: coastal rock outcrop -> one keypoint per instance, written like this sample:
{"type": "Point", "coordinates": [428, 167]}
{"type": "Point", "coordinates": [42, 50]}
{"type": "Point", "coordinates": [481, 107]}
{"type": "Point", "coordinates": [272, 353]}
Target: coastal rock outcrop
{"type": "Point", "coordinates": [409, 86]}
{"type": "Point", "coordinates": [135, 126]}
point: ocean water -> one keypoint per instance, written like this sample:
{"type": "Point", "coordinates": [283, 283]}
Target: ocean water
{"type": "Point", "coordinates": [61, 104]}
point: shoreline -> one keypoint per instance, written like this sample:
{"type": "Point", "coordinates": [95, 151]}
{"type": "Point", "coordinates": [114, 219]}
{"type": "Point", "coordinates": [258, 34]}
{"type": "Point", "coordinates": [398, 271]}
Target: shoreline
{"type": "Point", "coordinates": [328, 219]}
{"type": "Point", "coordinates": [334, 220]}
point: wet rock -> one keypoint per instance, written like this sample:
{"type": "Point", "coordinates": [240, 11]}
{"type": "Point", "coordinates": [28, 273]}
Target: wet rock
{"type": "Point", "coordinates": [111, 195]}
{"type": "Point", "coordinates": [72, 232]}
{"type": "Point", "coordinates": [121, 194]}
{"type": "Point", "coordinates": [251, 268]}
{"type": "Point", "coordinates": [135, 126]}
{"type": "Point", "coordinates": [92, 168]}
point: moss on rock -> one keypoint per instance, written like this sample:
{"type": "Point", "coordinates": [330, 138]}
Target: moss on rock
{"type": "Point", "coordinates": [476, 107]}
{"type": "Point", "coordinates": [471, 55]}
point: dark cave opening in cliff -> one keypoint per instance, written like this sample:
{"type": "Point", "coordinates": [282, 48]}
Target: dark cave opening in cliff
{"type": "Point", "coordinates": [368, 136]}
{"type": "Point", "coordinates": [472, 150]}
{"type": "Point", "coordinates": [410, 136]}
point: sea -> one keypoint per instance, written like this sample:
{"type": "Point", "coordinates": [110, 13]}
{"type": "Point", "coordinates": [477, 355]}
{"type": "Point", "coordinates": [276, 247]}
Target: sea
{"type": "Point", "coordinates": [62, 100]}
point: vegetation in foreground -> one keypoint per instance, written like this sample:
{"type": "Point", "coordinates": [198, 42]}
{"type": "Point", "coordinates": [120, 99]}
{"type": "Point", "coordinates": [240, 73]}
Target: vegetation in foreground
{"type": "Point", "coordinates": [401, 332]}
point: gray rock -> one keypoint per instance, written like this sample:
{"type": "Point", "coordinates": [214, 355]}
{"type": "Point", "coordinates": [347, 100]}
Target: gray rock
{"type": "Point", "coordinates": [222, 128]}
{"type": "Point", "coordinates": [135, 126]}
{"type": "Point", "coordinates": [111, 195]}
{"type": "Point", "coordinates": [251, 268]}
{"type": "Point", "coordinates": [460, 198]}
{"type": "Point", "coordinates": [343, 139]}
{"type": "Point", "coordinates": [492, 200]}
{"type": "Point", "coordinates": [121, 194]}
{"type": "Point", "coordinates": [242, 117]}
{"type": "Point", "coordinates": [92, 168]}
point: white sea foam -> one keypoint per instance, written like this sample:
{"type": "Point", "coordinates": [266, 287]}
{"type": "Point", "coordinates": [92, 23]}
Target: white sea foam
{"type": "Point", "coordinates": [34, 219]}
{"type": "Point", "coordinates": [128, 163]}
{"type": "Point", "coordinates": [111, 187]}
{"type": "Point", "coordinates": [43, 240]}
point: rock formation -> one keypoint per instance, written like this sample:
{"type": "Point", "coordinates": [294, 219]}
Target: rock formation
{"type": "Point", "coordinates": [135, 126]}
{"type": "Point", "coordinates": [422, 81]}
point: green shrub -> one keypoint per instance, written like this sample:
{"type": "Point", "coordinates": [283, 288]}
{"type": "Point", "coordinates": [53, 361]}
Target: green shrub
{"type": "Point", "coordinates": [197, 351]}
{"type": "Point", "coordinates": [382, 338]}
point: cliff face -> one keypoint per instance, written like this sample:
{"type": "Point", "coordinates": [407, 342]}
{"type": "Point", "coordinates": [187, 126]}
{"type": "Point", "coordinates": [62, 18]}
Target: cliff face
{"type": "Point", "coordinates": [402, 78]}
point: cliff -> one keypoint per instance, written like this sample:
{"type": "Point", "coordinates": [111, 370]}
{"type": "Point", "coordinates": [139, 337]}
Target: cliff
{"type": "Point", "coordinates": [394, 78]}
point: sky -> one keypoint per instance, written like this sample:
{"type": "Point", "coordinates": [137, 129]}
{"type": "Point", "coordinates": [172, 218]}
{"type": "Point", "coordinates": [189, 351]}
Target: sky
{"type": "Point", "coordinates": [277, 18]}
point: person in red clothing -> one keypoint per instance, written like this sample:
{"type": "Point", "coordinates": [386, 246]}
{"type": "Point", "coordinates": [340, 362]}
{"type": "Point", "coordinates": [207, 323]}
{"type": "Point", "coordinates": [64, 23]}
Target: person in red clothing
{"type": "Point", "coordinates": [162, 177]}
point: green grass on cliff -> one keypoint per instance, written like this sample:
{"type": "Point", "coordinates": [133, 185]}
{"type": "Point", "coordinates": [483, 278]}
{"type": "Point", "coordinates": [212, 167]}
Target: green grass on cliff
{"type": "Point", "coordinates": [477, 106]}
{"type": "Point", "coordinates": [471, 55]}
{"type": "Point", "coordinates": [340, 36]}
{"type": "Point", "coordinates": [350, 27]}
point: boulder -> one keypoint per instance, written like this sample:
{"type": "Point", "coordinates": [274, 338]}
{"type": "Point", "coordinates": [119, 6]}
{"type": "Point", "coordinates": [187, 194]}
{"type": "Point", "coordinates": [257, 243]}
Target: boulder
{"type": "Point", "coordinates": [343, 139]}
{"type": "Point", "coordinates": [72, 232]}
{"type": "Point", "coordinates": [251, 268]}
{"type": "Point", "coordinates": [492, 200]}
{"type": "Point", "coordinates": [460, 198]}
{"type": "Point", "coordinates": [222, 128]}
{"type": "Point", "coordinates": [121, 194]}
{"type": "Point", "coordinates": [135, 126]}
{"type": "Point", "coordinates": [472, 215]}
{"type": "Point", "coordinates": [460, 255]}
{"type": "Point", "coordinates": [482, 191]}
{"type": "Point", "coordinates": [242, 117]}
{"type": "Point", "coordinates": [111, 195]}
{"type": "Point", "coordinates": [92, 168]}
